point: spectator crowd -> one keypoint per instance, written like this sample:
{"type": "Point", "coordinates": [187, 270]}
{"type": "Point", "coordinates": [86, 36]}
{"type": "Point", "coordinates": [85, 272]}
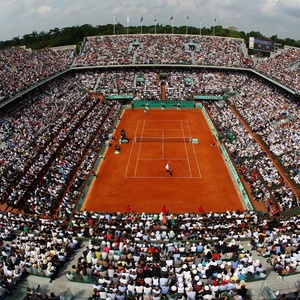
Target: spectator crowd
{"type": "Point", "coordinates": [148, 255]}
{"type": "Point", "coordinates": [21, 68]}
{"type": "Point", "coordinates": [283, 67]}
{"type": "Point", "coordinates": [51, 141]}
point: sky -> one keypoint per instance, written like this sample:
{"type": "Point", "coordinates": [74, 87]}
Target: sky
{"type": "Point", "coordinates": [269, 17]}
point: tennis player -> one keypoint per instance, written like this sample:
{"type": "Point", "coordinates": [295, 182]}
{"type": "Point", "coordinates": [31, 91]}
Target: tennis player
{"type": "Point", "coordinates": [145, 110]}
{"type": "Point", "coordinates": [167, 167]}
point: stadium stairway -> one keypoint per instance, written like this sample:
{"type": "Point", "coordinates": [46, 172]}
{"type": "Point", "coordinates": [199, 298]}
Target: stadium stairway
{"type": "Point", "coordinates": [273, 282]}
{"type": "Point", "coordinates": [61, 285]}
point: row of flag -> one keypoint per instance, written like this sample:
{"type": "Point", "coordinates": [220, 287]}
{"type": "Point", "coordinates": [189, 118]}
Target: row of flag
{"type": "Point", "coordinates": [155, 19]}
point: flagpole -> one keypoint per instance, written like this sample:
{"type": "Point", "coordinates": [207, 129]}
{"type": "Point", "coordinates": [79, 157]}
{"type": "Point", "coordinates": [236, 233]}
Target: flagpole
{"type": "Point", "coordinates": [200, 26]}
{"type": "Point", "coordinates": [173, 25]}
{"type": "Point", "coordinates": [142, 25]}
{"type": "Point", "coordinates": [114, 25]}
{"type": "Point", "coordinates": [127, 24]}
{"type": "Point", "coordinates": [172, 19]}
{"type": "Point", "coordinates": [214, 20]}
{"type": "Point", "coordinates": [187, 25]}
{"type": "Point", "coordinates": [155, 25]}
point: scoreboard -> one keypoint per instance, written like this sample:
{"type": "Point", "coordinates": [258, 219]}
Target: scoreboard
{"type": "Point", "coordinates": [261, 44]}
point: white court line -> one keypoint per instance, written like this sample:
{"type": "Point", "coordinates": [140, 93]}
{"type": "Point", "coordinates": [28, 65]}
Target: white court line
{"type": "Point", "coordinates": [138, 155]}
{"type": "Point", "coordinates": [132, 145]}
{"type": "Point", "coordinates": [186, 151]}
{"type": "Point", "coordinates": [160, 129]}
{"type": "Point", "coordinates": [197, 163]}
{"type": "Point", "coordinates": [155, 121]}
{"type": "Point", "coordinates": [168, 178]}
{"type": "Point", "coordinates": [162, 144]}
{"type": "Point", "coordinates": [162, 138]}
{"type": "Point", "coordinates": [166, 158]}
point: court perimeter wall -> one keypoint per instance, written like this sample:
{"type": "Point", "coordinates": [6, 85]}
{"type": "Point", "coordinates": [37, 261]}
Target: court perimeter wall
{"type": "Point", "coordinates": [174, 104]}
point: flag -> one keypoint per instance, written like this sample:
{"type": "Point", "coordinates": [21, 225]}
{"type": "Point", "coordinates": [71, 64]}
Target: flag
{"type": "Point", "coordinates": [116, 20]}
{"type": "Point", "coordinates": [187, 17]}
{"type": "Point", "coordinates": [127, 18]}
{"type": "Point", "coordinates": [171, 18]}
{"type": "Point", "coordinates": [155, 19]}
{"type": "Point", "coordinates": [142, 18]}
{"type": "Point", "coordinates": [215, 20]}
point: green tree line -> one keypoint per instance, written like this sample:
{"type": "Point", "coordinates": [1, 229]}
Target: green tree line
{"type": "Point", "coordinates": [74, 35]}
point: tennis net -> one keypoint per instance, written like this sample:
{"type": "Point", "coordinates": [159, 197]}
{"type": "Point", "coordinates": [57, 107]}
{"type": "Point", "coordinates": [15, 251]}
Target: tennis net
{"type": "Point", "coordinates": [161, 139]}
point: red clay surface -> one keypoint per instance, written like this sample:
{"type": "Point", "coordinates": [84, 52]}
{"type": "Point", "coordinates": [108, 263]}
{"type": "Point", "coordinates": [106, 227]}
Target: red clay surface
{"type": "Point", "coordinates": [137, 176]}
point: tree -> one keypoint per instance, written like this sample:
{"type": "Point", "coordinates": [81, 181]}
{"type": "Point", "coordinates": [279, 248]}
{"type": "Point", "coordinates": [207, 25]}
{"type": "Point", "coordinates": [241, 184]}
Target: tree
{"type": "Point", "coordinates": [75, 34]}
{"type": "Point", "coordinates": [16, 41]}
{"type": "Point", "coordinates": [255, 34]}
{"type": "Point", "coordinates": [54, 31]}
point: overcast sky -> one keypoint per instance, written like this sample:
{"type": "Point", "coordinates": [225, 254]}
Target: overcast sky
{"type": "Point", "coordinates": [270, 17]}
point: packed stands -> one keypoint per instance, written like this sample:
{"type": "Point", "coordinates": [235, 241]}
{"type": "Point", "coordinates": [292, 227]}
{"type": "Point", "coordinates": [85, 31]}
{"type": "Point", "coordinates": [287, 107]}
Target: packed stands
{"type": "Point", "coordinates": [272, 115]}
{"type": "Point", "coordinates": [21, 68]}
{"type": "Point", "coordinates": [283, 67]}
{"type": "Point", "coordinates": [137, 253]}
{"type": "Point", "coordinates": [162, 49]}
{"type": "Point", "coordinates": [45, 163]}
{"type": "Point", "coordinates": [49, 156]}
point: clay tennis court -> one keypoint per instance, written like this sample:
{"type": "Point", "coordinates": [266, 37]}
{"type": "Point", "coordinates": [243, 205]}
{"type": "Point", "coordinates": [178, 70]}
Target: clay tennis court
{"type": "Point", "coordinates": [137, 176]}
